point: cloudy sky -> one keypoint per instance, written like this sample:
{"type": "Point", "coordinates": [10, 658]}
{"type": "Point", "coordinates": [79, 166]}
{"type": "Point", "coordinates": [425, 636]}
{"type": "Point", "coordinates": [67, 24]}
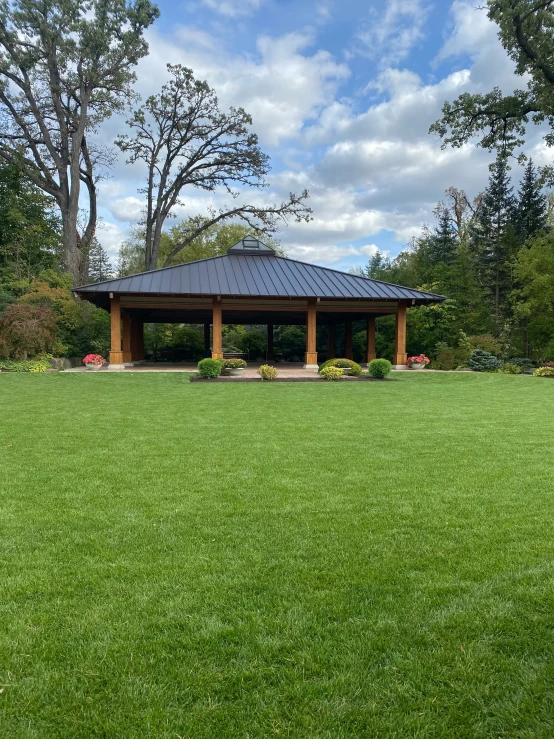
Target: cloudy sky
{"type": "Point", "coordinates": [342, 93]}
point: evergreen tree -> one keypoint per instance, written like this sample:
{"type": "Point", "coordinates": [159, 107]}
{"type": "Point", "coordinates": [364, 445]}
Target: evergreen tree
{"type": "Point", "coordinates": [532, 207]}
{"type": "Point", "coordinates": [99, 268]}
{"type": "Point", "coordinates": [443, 240]}
{"type": "Point", "coordinates": [493, 237]}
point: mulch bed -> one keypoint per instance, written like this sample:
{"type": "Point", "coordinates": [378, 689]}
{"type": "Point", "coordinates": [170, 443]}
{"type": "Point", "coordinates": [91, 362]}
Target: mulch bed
{"type": "Point", "coordinates": [364, 378]}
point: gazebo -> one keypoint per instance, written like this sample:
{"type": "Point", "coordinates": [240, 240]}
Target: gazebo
{"type": "Point", "coordinates": [251, 284]}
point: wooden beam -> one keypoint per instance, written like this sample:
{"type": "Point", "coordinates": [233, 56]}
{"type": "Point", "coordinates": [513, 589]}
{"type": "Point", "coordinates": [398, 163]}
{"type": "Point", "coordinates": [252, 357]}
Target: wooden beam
{"type": "Point", "coordinates": [126, 337]}
{"type": "Point", "coordinates": [269, 353]}
{"type": "Point", "coordinates": [311, 326]}
{"type": "Point", "coordinates": [348, 339]}
{"type": "Point", "coordinates": [400, 357]}
{"type": "Point", "coordinates": [331, 341]}
{"type": "Point", "coordinates": [116, 355]}
{"type": "Point", "coordinates": [217, 343]}
{"type": "Point", "coordinates": [370, 354]}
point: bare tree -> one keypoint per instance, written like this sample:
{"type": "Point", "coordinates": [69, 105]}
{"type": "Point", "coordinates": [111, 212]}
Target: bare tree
{"type": "Point", "coordinates": [65, 65]}
{"type": "Point", "coordinates": [185, 140]}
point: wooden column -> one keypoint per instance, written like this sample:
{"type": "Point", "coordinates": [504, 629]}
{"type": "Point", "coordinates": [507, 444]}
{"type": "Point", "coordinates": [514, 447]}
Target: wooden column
{"type": "Point", "coordinates": [116, 355]}
{"type": "Point", "coordinates": [217, 344]}
{"type": "Point", "coordinates": [311, 325]}
{"type": "Point", "coordinates": [207, 339]}
{"type": "Point", "coordinates": [400, 357]}
{"type": "Point", "coordinates": [126, 336]}
{"type": "Point", "coordinates": [370, 340]}
{"type": "Point", "coordinates": [331, 341]}
{"type": "Point", "coordinates": [269, 353]}
{"type": "Point", "coordinates": [348, 339]}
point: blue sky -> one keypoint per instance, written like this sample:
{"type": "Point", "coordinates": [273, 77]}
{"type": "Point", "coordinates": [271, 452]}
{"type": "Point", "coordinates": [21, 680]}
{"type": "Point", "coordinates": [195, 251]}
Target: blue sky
{"type": "Point", "coordinates": [342, 93]}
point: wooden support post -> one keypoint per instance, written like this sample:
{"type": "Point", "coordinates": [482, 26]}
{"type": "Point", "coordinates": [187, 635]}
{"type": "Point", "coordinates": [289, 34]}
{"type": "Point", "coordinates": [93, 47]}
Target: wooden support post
{"type": "Point", "coordinates": [217, 344]}
{"type": "Point", "coordinates": [331, 341]}
{"type": "Point", "coordinates": [207, 339]}
{"type": "Point", "coordinates": [348, 339]}
{"type": "Point", "coordinates": [126, 336]}
{"type": "Point", "coordinates": [137, 340]}
{"type": "Point", "coordinates": [370, 354]}
{"type": "Point", "coordinates": [311, 325]}
{"type": "Point", "coordinates": [400, 357]}
{"type": "Point", "coordinates": [269, 353]}
{"type": "Point", "coordinates": [116, 355]}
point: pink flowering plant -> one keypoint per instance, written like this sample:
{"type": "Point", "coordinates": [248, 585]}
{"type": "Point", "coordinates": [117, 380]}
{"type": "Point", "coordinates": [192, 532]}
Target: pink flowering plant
{"type": "Point", "coordinates": [419, 359]}
{"type": "Point", "coordinates": [94, 359]}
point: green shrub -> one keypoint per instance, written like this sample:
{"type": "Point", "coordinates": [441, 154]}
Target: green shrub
{"type": "Point", "coordinates": [487, 342]}
{"type": "Point", "coordinates": [482, 361]}
{"type": "Point", "coordinates": [544, 372]}
{"type": "Point", "coordinates": [209, 368]}
{"type": "Point", "coordinates": [450, 359]}
{"type": "Point", "coordinates": [524, 363]}
{"type": "Point", "coordinates": [510, 369]}
{"type": "Point", "coordinates": [234, 363]}
{"type": "Point", "coordinates": [267, 372]}
{"type": "Point", "coordinates": [25, 365]}
{"type": "Point", "coordinates": [331, 372]}
{"type": "Point", "coordinates": [380, 368]}
{"type": "Point", "coordinates": [354, 367]}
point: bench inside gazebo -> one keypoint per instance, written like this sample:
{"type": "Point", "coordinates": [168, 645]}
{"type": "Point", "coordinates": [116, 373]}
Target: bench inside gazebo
{"type": "Point", "coordinates": [251, 284]}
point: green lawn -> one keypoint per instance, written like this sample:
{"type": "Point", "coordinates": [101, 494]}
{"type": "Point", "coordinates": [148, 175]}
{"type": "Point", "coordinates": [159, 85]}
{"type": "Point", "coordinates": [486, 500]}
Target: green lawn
{"type": "Point", "coordinates": [292, 560]}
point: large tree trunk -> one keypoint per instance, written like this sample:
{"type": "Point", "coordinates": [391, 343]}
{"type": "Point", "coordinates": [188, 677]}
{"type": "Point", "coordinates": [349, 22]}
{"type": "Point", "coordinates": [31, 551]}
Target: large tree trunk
{"type": "Point", "coordinates": [71, 253]}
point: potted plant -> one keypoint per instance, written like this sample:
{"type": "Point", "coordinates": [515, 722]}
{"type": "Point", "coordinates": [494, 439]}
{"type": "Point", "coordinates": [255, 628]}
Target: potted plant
{"type": "Point", "coordinates": [234, 367]}
{"type": "Point", "coordinates": [418, 362]}
{"type": "Point", "coordinates": [93, 361]}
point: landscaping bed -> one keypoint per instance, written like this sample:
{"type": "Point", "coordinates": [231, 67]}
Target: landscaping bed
{"type": "Point", "coordinates": [308, 378]}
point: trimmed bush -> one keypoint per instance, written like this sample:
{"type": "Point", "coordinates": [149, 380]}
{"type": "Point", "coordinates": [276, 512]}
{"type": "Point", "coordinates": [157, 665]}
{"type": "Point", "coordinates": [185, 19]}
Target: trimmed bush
{"type": "Point", "coordinates": [354, 367]}
{"type": "Point", "coordinates": [510, 369]}
{"type": "Point", "coordinates": [482, 361]}
{"type": "Point", "coordinates": [524, 363]}
{"type": "Point", "coordinates": [234, 363]}
{"type": "Point", "coordinates": [379, 368]}
{"type": "Point", "coordinates": [544, 372]}
{"type": "Point", "coordinates": [331, 373]}
{"type": "Point", "coordinates": [25, 365]}
{"type": "Point", "coordinates": [267, 372]}
{"type": "Point", "coordinates": [450, 359]}
{"type": "Point", "coordinates": [210, 368]}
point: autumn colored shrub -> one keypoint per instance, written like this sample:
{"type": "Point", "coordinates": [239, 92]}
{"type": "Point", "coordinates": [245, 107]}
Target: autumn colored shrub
{"type": "Point", "coordinates": [26, 331]}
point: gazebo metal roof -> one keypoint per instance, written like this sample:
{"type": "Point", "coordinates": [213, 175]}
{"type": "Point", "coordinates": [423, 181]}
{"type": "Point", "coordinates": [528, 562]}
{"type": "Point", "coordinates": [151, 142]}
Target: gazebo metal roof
{"type": "Point", "coordinates": [253, 269]}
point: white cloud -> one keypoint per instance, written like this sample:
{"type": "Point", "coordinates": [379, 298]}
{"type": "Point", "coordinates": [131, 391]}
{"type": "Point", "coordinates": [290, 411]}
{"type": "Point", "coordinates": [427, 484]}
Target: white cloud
{"type": "Point", "coordinates": [233, 8]}
{"type": "Point", "coordinates": [111, 237]}
{"type": "Point", "coordinates": [330, 254]}
{"type": "Point", "coordinates": [391, 36]}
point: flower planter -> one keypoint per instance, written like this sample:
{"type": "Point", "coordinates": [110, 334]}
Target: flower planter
{"type": "Point", "coordinates": [346, 370]}
{"type": "Point", "coordinates": [93, 366]}
{"type": "Point", "coordinates": [417, 366]}
{"type": "Point", "coordinates": [234, 371]}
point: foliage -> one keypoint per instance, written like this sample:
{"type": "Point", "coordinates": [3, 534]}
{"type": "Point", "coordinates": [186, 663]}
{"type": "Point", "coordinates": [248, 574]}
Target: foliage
{"type": "Point", "coordinates": [331, 372]}
{"type": "Point", "coordinates": [26, 331]}
{"type": "Point", "coordinates": [526, 365]}
{"type": "Point", "coordinates": [380, 368]}
{"type": "Point", "coordinates": [209, 368]}
{"type": "Point", "coordinates": [487, 342]}
{"type": "Point", "coordinates": [234, 363]}
{"type": "Point", "coordinates": [482, 361]}
{"type": "Point", "coordinates": [544, 372]}
{"type": "Point", "coordinates": [65, 66]}
{"type": "Point", "coordinates": [97, 359]}
{"type": "Point", "coordinates": [510, 369]}
{"type": "Point", "coordinates": [186, 142]}
{"type": "Point", "coordinates": [290, 343]}
{"type": "Point", "coordinates": [450, 359]}
{"type": "Point", "coordinates": [525, 31]}
{"type": "Point", "coordinates": [419, 359]}
{"type": "Point", "coordinates": [267, 372]}
{"type": "Point", "coordinates": [99, 267]}
{"type": "Point", "coordinates": [25, 365]}
{"type": "Point", "coordinates": [354, 367]}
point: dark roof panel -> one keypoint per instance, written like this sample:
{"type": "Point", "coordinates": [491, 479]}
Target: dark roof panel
{"type": "Point", "coordinates": [242, 273]}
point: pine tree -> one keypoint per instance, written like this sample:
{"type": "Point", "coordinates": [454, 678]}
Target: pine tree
{"type": "Point", "coordinates": [99, 264]}
{"type": "Point", "coordinates": [492, 237]}
{"type": "Point", "coordinates": [443, 241]}
{"type": "Point", "coordinates": [532, 207]}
